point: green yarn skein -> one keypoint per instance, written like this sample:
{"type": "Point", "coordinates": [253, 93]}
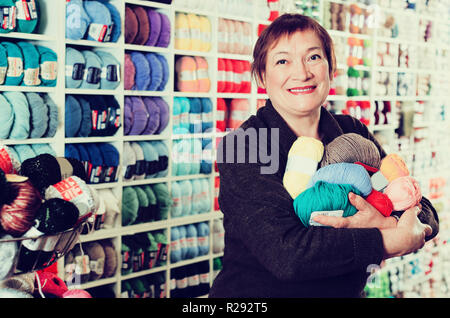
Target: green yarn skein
{"type": "Point", "coordinates": [324, 196]}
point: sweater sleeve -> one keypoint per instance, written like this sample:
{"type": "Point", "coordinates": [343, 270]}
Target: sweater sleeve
{"type": "Point", "coordinates": [428, 215]}
{"type": "Point", "coordinates": [259, 213]}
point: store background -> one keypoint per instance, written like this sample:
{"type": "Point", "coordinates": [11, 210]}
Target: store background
{"type": "Point", "coordinates": [393, 65]}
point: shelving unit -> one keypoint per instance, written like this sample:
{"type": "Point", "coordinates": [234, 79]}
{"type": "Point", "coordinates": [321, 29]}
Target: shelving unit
{"type": "Point", "coordinates": [52, 34]}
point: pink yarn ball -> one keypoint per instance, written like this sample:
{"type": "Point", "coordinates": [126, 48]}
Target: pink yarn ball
{"type": "Point", "coordinates": [404, 192]}
{"type": "Point", "coordinates": [76, 293]}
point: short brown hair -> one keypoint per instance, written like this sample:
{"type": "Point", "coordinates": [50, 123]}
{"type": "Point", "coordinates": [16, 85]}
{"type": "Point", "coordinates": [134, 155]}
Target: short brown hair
{"type": "Point", "coordinates": [288, 24]}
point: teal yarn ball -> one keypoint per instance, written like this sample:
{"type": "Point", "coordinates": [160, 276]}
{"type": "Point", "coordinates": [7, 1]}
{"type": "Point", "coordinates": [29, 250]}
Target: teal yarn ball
{"type": "Point", "coordinates": [324, 196]}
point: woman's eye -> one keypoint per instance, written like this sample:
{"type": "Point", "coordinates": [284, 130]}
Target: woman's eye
{"type": "Point", "coordinates": [281, 62]}
{"type": "Point", "coordinates": [315, 57]}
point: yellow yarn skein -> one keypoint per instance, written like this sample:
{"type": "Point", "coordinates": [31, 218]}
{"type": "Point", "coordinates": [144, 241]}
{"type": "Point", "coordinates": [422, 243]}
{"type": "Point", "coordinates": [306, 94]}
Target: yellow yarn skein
{"type": "Point", "coordinates": [195, 31]}
{"type": "Point", "coordinates": [303, 159]}
{"type": "Point", "coordinates": [182, 33]}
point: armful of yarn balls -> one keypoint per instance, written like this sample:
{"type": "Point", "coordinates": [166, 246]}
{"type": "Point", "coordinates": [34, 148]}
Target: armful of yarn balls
{"type": "Point", "coordinates": [261, 216]}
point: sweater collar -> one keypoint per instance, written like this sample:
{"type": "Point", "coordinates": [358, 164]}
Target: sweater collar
{"type": "Point", "coordinates": [329, 128]}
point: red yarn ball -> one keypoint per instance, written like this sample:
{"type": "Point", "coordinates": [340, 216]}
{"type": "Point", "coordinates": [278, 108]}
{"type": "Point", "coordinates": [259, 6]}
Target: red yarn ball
{"type": "Point", "coordinates": [17, 217]}
{"type": "Point", "coordinates": [381, 202]}
{"type": "Point", "coordinates": [76, 293]}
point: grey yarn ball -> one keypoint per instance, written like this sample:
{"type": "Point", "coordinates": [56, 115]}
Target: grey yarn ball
{"type": "Point", "coordinates": [351, 148]}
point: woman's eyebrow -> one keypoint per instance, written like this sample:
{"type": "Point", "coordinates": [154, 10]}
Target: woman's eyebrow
{"type": "Point", "coordinates": [313, 48]}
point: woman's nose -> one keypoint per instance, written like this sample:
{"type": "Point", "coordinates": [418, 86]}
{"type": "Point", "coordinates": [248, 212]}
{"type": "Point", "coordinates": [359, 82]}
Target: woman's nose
{"type": "Point", "coordinates": [300, 71]}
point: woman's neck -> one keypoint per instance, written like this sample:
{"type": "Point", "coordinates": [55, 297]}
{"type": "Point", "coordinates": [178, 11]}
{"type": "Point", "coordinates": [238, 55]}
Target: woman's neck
{"type": "Point", "coordinates": [305, 125]}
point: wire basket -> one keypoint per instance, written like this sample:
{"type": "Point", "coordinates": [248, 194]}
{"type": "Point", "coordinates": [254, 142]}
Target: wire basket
{"type": "Point", "coordinates": [36, 251]}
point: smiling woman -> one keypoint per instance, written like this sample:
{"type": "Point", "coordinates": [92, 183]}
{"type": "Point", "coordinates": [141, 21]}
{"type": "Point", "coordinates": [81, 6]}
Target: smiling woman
{"type": "Point", "coordinates": [268, 251]}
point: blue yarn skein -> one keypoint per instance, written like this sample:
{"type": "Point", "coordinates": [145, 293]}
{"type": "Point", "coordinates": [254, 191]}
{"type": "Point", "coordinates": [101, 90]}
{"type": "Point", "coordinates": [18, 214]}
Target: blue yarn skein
{"type": "Point", "coordinates": [324, 196]}
{"type": "Point", "coordinates": [186, 197]}
{"type": "Point", "coordinates": [175, 209]}
{"type": "Point", "coordinates": [165, 72]}
{"type": "Point", "coordinates": [195, 115]}
{"type": "Point", "coordinates": [7, 119]}
{"type": "Point", "coordinates": [191, 241]}
{"type": "Point", "coordinates": [203, 238]}
{"type": "Point", "coordinates": [197, 204]}
{"type": "Point", "coordinates": [206, 199]}
{"type": "Point", "coordinates": [344, 173]}
{"type": "Point", "coordinates": [207, 120]}
{"type": "Point", "coordinates": [175, 248]}
{"type": "Point", "coordinates": [21, 126]}
{"type": "Point", "coordinates": [183, 245]}
{"type": "Point", "coordinates": [77, 20]}
{"type": "Point", "coordinates": [39, 115]}
{"type": "Point", "coordinates": [156, 70]}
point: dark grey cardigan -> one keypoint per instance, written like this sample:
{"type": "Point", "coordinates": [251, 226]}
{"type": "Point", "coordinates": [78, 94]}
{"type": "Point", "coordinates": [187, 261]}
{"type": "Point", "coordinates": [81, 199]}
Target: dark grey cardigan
{"type": "Point", "coordinates": [268, 252]}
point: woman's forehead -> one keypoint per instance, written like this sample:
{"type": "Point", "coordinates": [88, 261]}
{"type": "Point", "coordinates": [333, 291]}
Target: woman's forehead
{"type": "Point", "coordinates": [309, 39]}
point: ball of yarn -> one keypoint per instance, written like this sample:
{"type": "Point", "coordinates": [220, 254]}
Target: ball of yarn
{"type": "Point", "coordinates": [18, 216]}
{"type": "Point", "coordinates": [13, 293]}
{"type": "Point", "coordinates": [56, 215]}
{"type": "Point", "coordinates": [381, 202]}
{"type": "Point", "coordinates": [351, 148]}
{"type": "Point", "coordinates": [42, 171]}
{"type": "Point", "coordinates": [404, 192]}
{"type": "Point", "coordinates": [303, 158]}
{"type": "Point", "coordinates": [324, 196]}
{"type": "Point", "coordinates": [23, 282]}
{"type": "Point", "coordinates": [9, 163]}
{"type": "Point", "coordinates": [344, 173]}
{"type": "Point", "coordinates": [76, 293]}
{"type": "Point", "coordinates": [96, 259]}
{"type": "Point", "coordinates": [111, 259]}
{"type": "Point", "coordinates": [393, 166]}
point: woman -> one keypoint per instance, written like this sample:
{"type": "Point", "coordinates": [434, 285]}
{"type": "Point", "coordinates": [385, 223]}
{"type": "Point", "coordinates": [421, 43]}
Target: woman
{"type": "Point", "coordinates": [268, 252]}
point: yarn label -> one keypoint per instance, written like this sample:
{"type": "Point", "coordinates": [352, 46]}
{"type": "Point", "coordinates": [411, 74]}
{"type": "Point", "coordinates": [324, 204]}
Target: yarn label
{"type": "Point", "coordinates": [97, 266]}
{"type": "Point", "coordinates": [92, 75]}
{"type": "Point", "coordinates": [15, 67]}
{"type": "Point", "coordinates": [186, 76]}
{"type": "Point", "coordinates": [31, 77]}
{"type": "Point", "coordinates": [194, 280]}
{"type": "Point", "coordinates": [111, 73]}
{"type": "Point", "coordinates": [26, 10]}
{"type": "Point", "coordinates": [36, 242]}
{"type": "Point", "coordinates": [336, 213]}
{"type": "Point", "coordinates": [3, 74]}
{"type": "Point", "coordinates": [182, 283]}
{"type": "Point", "coordinates": [98, 31]}
{"type": "Point", "coordinates": [48, 70]}
{"type": "Point", "coordinates": [82, 265]}
{"type": "Point", "coordinates": [8, 16]}
{"type": "Point", "coordinates": [202, 74]}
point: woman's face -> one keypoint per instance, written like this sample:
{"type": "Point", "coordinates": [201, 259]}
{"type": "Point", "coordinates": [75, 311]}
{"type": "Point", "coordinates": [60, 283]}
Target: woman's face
{"type": "Point", "coordinates": [297, 77]}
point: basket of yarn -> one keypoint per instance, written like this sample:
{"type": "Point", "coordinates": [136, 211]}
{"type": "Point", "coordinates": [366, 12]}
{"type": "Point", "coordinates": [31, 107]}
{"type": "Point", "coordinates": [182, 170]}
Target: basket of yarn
{"type": "Point", "coordinates": [44, 205]}
{"type": "Point", "coordinates": [319, 178]}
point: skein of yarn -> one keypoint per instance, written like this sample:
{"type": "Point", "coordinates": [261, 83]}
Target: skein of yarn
{"type": "Point", "coordinates": [17, 215]}
{"type": "Point", "coordinates": [351, 148]}
{"type": "Point", "coordinates": [404, 192]}
{"type": "Point", "coordinates": [303, 158]}
{"type": "Point", "coordinates": [344, 173]}
{"type": "Point", "coordinates": [393, 166]}
{"type": "Point", "coordinates": [324, 196]}
{"type": "Point", "coordinates": [381, 202]}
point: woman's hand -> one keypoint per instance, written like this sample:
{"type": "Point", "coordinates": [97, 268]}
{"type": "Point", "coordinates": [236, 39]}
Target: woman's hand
{"type": "Point", "coordinates": [366, 217]}
{"type": "Point", "coordinates": [407, 237]}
